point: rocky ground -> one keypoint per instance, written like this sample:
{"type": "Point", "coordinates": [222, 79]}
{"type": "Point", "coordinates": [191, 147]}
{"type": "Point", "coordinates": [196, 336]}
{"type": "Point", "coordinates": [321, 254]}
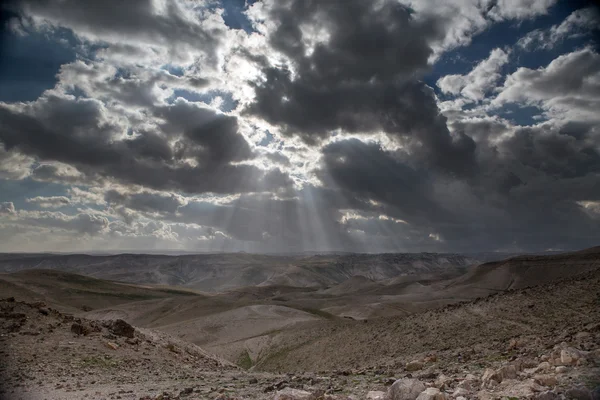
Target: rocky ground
{"type": "Point", "coordinates": [47, 354]}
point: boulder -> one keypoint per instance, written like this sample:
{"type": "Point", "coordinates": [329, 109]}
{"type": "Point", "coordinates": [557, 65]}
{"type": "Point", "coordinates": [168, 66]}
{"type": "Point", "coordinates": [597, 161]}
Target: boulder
{"type": "Point", "coordinates": [121, 328]}
{"type": "Point", "coordinates": [405, 389]}
{"type": "Point", "coordinates": [561, 369]}
{"type": "Point", "coordinates": [432, 394]}
{"type": "Point", "coordinates": [80, 329]}
{"type": "Point", "coordinates": [375, 395]}
{"type": "Point", "coordinates": [292, 394]}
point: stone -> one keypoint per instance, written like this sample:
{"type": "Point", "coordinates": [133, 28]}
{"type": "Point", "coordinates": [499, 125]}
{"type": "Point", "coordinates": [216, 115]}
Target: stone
{"type": "Point", "coordinates": [547, 395]}
{"type": "Point", "coordinates": [112, 345]}
{"type": "Point", "coordinates": [490, 378]}
{"type": "Point", "coordinates": [545, 380]}
{"type": "Point", "coordinates": [583, 335]}
{"type": "Point", "coordinates": [430, 358]}
{"type": "Point", "coordinates": [432, 394]}
{"type": "Point", "coordinates": [414, 365]}
{"type": "Point", "coordinates": [80, 329]}
{"type": "Point", "coordinates": [561, 369]}
{"type": "Point", "coordinates": [470, 383]}
{"type": "Point", "coordinates": [507, 372]}
{"type": "Point", "coordinates": [544, 366]}
{"type": "Point", "coordinates": [569, 356]}
{"type": "Point", "coordinates": [405, 389]}
{"type": "Point", "coordinates": [441, 381]}
{"type": "Point", "coordinates": [121, 328]}
{"type": "Point", "coordinates": [292, 394]}
{"type": "Point", "coordinates": [460, 392]}
{"type": "Point", "coordinates": [375, 395]}
{"type": "Point", "coordinates": [578, 393]}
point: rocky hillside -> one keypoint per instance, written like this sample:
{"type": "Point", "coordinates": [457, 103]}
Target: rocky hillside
{"type": "Point", "coordinates": [50, 355]}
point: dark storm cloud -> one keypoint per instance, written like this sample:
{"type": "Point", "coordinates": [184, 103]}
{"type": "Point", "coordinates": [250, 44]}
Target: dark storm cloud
{"type": "Point", "coordinates": [556, 154]}
{"type": "Point", "coordinates": [130, 21]}
{"type": "Point", "coordinates": [76, 132]}
{"type": "Point", "coordinates": [363, 78]}
{"type": "Point", "coordinates": [367, 171]}
{"type": "Point", "coordinates": [210, 138]}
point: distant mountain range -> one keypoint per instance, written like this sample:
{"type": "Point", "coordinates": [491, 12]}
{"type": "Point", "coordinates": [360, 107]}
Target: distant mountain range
{"type": "Point", "coordinates": [224, 271]}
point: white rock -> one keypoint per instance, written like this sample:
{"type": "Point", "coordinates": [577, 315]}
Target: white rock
{"type": "Point", "coordinates": [292, 394]}
{"type": "Point", "coordinates": [432, 394]}
{"type": "Point", "coordinates": [569, 356]}
{"type": "Point", "coordinates": [375, 395]}
{"type": "Point", "coordinates": [405, 389]}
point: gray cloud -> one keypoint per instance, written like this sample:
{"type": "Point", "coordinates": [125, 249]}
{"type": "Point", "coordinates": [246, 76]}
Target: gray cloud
{"type": "Point", "coordinates": [79, 133]}
{"type": "Point", "coordinates": [175, 25]}
{"type": "Point", "coordinates": [363, 78]}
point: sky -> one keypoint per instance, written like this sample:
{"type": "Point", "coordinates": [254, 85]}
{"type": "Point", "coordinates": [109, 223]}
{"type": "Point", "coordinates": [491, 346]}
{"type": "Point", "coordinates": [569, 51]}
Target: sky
{"type": "Point", "coordinates": [299, 125]}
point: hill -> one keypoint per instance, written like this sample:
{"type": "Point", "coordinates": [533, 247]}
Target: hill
{"type": "Point", "coordinates": [220, 272]}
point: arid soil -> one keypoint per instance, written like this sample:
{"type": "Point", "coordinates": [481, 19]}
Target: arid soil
{"type": "Point", "coordinates": [66, 336]}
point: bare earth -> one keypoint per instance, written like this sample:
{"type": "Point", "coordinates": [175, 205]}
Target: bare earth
{"type": "Point", "coordinates": [524, 328]}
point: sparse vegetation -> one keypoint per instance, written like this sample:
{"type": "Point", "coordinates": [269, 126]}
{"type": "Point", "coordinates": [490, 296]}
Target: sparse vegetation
{"type": "Point", "coordinates": [245, 361]}
{"type": "Point", "coordinates": [100, 362]}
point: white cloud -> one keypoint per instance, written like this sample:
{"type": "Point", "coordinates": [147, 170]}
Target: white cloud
{"type": "Point", "coordinates": [479, 81]}
{"type": "Point", "coordinates": [7, 208]}
{"type": "Point", "coordinates": [568, 88]}
{"type": "Point", "coordinates": [580, 23]}
{"type": "Point", "coordinates": [14, 165]}
{"type": "Point", "coordinates": [520, 9]}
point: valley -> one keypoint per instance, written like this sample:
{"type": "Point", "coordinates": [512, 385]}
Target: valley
{"type": "Point", "coordinates": [360, 320]}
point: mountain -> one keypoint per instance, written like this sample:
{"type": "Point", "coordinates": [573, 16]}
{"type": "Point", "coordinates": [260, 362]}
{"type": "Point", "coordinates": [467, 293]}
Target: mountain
{"type": "Point", "coordinates": [219, 272]}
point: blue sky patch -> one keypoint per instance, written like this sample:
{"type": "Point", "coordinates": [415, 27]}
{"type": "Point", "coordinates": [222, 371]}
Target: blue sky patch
{"type": "Point", "coordinates": [29, 63]}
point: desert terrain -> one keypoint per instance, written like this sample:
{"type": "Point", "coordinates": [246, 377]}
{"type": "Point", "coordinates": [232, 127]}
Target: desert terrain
{"type": "Point", "coordinates": [345, 326]}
